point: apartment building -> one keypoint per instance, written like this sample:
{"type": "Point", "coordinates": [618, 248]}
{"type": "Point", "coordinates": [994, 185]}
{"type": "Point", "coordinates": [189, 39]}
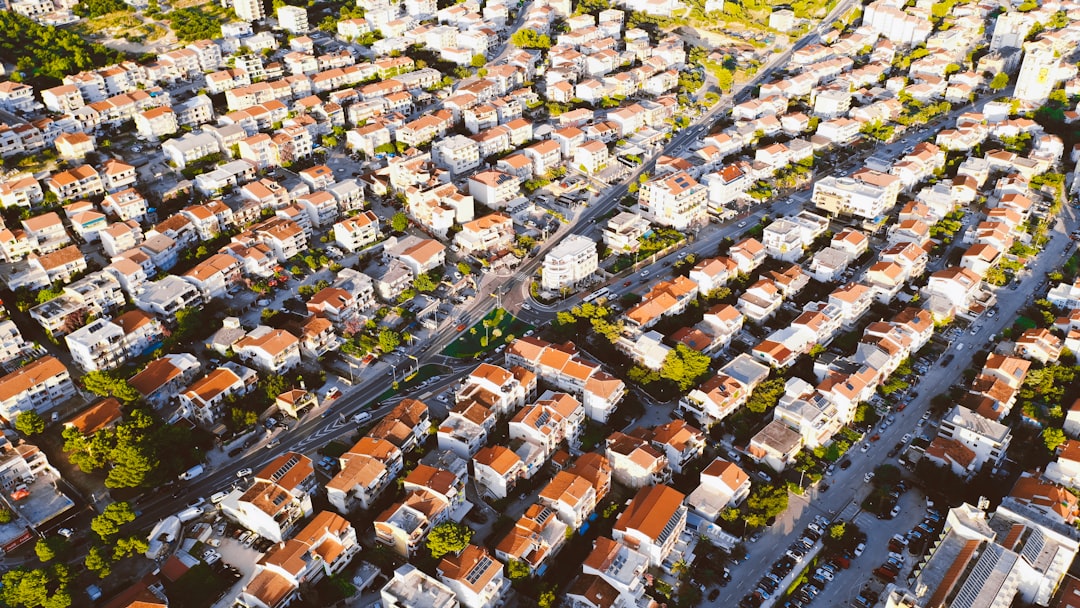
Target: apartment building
{"type": "Point", "coordinates": [652, 523]}
{"type": "Point", "coordinates": [676, 201]}
{"type": "Point", "coordinates": [38, 386]}
{"type": "Point", "coordinates": [573, 260]}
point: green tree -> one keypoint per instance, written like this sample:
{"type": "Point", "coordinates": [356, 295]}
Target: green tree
{"type": "Point", "coordinates": [6, 516]}
{"type": "Point", "coordinates": [97, 8]}
{"type": "Point", "coordinates": [105, 384]}
{"type": "Point", "coordinates": [47, 588]}
{"type": "Point", "coordinates": [464, 269]}
{"type": "Point", "coordinates": [190, 24]}
{"type": "Point", "coordinates": [518, 570]}
{"type": "Point", "coordinates": [241, 418]}
{"type": "Point", "coordinates": [1053, 437]}
{"type": "Point", "coordinates": [399, 222]}
{"type": "Point", "coordinates": [766, 395]}
{"type": "Point", "coordinates": [108, 523]}
{"type": "Point", "coordinates": [448, 537]}
{"type": "Point", "coordinates": [128, 546]}
{"type": "Point", "coordinates": [837, 531]}
{"type": "Point", "coordinates": [389, 340]}
{"type": "Point", "coordinates": [425, 283]}
{"type": "Point", "coordinates": [29, 423]}
{"type": "Point", "coordinates": [999, 82]}
{"type": "Point", "coordinates": [547, 599]}
{"type": "Point", "coordinates": [530, 39]}
{"type": "Point", "coordinates": [98, 561]}
{"type": "Point", "coordinates": [685, 366]}
{"type": "Point", "coordinates": [44, 549]}
{"type": "Point", "coordinates": [479, 61]}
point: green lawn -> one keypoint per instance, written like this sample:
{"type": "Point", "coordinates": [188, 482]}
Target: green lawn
{"type": "Point", "coordinates": [497, 328]}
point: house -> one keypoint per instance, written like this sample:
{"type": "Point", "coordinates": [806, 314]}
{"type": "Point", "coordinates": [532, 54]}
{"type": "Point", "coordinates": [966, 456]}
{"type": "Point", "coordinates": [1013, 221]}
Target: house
{"type": "Point", "coordinates": [572, 497]}
{"type": "Point", "coordinates": [495, 470]}
{"type": "Point", "coordinates": [357, 232]}
{"type": "Point", "coordinates": [106, 413]}
{"type": "Point", "coordinates": [652, 523]}
{"type": "Point", "coordinates": [563, 368]}
{"type": "Point", "coordinates": [760, 301]}
{"type": "Point", "coordinates": [569, 263]}
{"type": "Point", "coordinates": [680, 443]}
{"type": "Point", "coordinates": [535, 539]}
{"type": "Point", "coordinates": [163, 378]}
{"type": "Point", "coordinates": [489, 234]}
{"type": "Point", "coordinates": [323, 548]}
{"type": "Point", "coordinates": [635, 462]}
{"type": "Point", "coordinates": [1040, 345]}
{"type": "Point", "coordinates": [419, 255]}
{"type": "Point", "coordinates": [475, 577]}
{"type": "Point", "coordinates": [277, 500]}
{"type": "Point", "coordinates": [986, 440]}
{"type": "Point", "coordinates": [431, 496]}
{"type": "Point", "coordinates": [367, 469]}
{"type": "Point", "coordinates": [722, 484]}
{"type": "Point", "coordinates": [271, 350]}
{"type": "Point", "coordinates": [716, 399]}
{"type": "Point", "coordinates": [204, 401]}
{"type": "Point", "coordinates": [38, 386]}
{"type": "Point", "coordinates": [410, 588]}
{"type": "Point", "coordinates": [950, 291]}
{"type": "Point", "coordinates": [624, 231]}
{"type": "Point", "coordinates": [405, 425]}
{"type": "Point", "coordinates": [103, 344]}
{"type": "Point", "coordinates": [677, 201]}
{"type": "Point", "coordinates": [776, 445]}
{"type": "Point", "coordinates": [1055, 502]}
{"type": "Point", "coordinates": [215, 276]}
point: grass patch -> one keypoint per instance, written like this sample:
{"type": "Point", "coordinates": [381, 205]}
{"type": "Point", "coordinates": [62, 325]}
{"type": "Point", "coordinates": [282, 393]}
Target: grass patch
{"type": "Point", "coordinates": [802, 578]}
{"type": "Point", "coordinates": [1025, 323]}
{"type": "Point", "coordinates": [497, 328]}
{"type": "Point", "coordinates": [335, 449]}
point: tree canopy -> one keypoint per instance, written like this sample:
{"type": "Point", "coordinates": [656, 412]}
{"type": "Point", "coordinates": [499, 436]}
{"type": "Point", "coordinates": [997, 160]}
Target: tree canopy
{"type": "Point", "coordinates": [44, 588]}
{"type": "Point", "coordinates": [139, 451]}
{"type": "Point", "coordinates": [685, 366]}
{"type": "Point", "coordinates": [399, 222]}
{"type": "Point", "coordinates": [448, 537]}
{"type": "Point", "coordinates": [191, 24]}
{"type": "Point", "coordinates": [46, 52]}
{"type": "Point", "coordinates": [530, 39]}
{"type": "Point", "coordinates": [106, 384]}
{"type": "Point", "coordinates": [108, 523]}
{"type": "Point", "coordinates": [97, 8]}
{"type": "Point", "coordinates": [766, 395]}
{"type": "Point", "coordinates": [29, 423]}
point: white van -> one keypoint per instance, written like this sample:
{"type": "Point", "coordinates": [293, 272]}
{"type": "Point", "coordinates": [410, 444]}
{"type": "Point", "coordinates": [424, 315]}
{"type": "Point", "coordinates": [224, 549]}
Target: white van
{"type": "Point", "coordinates": [218, 497]}
{"type": "Point", "coordinates": [362, 417]}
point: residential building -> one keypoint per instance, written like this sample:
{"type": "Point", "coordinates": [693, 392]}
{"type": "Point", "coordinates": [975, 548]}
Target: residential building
{"type": "Point", "coordinates": [271, 350]}
{"type": "Point", "coordinates": [367, 469]}
{"type": "Point", "coordinates": [475, 577]}
{"type": "Point", "coordinates": [38, 386]}
{"type": "Point", "coordinates": [652, 523]}
{"type": "Point", "coordinates": [573, 260]}
{"type": "Point", "coordinates": [722, 484]}
{"type": "Point", "coordinates": [676, 201]}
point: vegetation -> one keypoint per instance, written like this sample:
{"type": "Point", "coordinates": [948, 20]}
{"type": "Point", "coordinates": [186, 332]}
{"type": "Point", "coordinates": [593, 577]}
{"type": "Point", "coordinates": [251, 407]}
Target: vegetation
{"type": "Point", "coordinates": [766, 395]}
{"type": "Point", "coordinates": [108, 523]}
{"type": "Point", "coordinates": [191, 24]}
{"type": "Point", "coordinates": [107, 384]}
{"type": "Point", "coordinates": [685, 366]}
{"type": "Point", "coordinates": [399, 222]}
{"type": "Point", "coordinates": [999, 82]}
{"type": "Point", "coordinates": [29, 423]}
{"type": "Point", "coordinates": [139, 451]}
{"type": "Point", "coordinates": [47, 53]}
{"type": "Point", "coordinates": [41, 587]}
{"type": "Point", "coordinates": [764, 503]}
{"type": "Point", "coordinates": [588, 314]}
{"type": "Point", "coordinates": [97, 8]}
{"type": "Point", "coordinates": [448, 537]}
{"type": "Point", "coordinates": [878, 131]}
{"type": "Point", "coordinates": [530, 39]}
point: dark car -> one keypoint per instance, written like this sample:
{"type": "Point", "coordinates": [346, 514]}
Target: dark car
{"type": "Point", "coordinates": [715, 593]}
{"type": "Point", "coordinates": [845, 463]}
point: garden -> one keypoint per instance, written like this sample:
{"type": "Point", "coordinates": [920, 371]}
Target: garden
{"type": "Point", "coordinates": [497, 328]}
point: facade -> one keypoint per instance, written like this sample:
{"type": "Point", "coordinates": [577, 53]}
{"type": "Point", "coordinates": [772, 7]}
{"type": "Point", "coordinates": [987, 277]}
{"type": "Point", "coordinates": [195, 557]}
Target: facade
{"type": "Point", "coordinates": [573, 260]}
{"type": "Point", "coordinates": [677, 201]}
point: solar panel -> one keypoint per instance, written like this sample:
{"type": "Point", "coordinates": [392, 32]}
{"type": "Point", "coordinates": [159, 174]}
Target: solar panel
{"type": "Point", "coordinates": [478, 570]}
{"type": "Point", "coordinates": [285, 468]}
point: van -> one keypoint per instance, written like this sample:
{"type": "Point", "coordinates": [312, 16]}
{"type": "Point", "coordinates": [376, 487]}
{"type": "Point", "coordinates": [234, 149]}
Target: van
{"type": "Point", "coordinates": [217, 497]}
{"type": "Point", "coordinates": [362, 417]}
{"type": "Point", "coordinates": [192, 473]}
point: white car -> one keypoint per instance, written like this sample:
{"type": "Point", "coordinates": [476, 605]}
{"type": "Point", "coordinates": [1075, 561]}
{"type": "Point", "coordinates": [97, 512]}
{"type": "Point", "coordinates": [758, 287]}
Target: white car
{"type": "Point", "coordinates": [906, 438]}
{"type": "Point", "coordinates": [244, 472]}
{"type": "Point", "coordinates": [644, 273]}
{"type": "Point", "coordinates": [868, 477]}
{"type": "Point", "coordinates": [859, 549]}
{"type": "Point", "coordinates": [742, 224]}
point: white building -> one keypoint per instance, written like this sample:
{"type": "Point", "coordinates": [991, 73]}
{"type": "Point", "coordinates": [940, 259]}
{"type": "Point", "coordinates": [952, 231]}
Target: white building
{"type": "Point", "coordinates": [293, 19]}
{"type": "Point", "coordinates": [677, 201]}
{"type": "Point", "coordinates": [570, 262]}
